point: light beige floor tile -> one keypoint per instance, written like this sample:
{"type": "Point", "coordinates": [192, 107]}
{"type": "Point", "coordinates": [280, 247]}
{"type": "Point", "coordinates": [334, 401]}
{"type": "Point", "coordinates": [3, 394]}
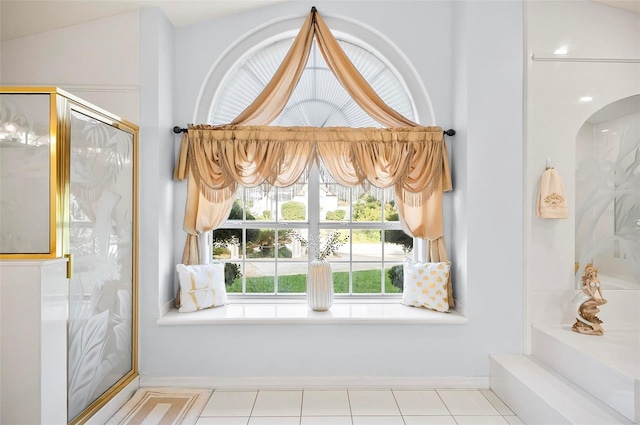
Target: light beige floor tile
{"type": "Point", "coordinates": [513, 420]}
{"type": "Point", "coordinates": [480, 420]}
{"type": "Point", "coordinates": [372, 403]}
{"type": "Point", "coordinates": [278, 403]}
{"type": "Point", "coordinates": [223, 421]}
{"type": "Point", "coordinates": [274, 420]}
{"type": "Point", "coordinates": [377, 420]}
{"type": "Point", "coordinates": [325, 403]}
{"type": "Point", "coordinates": [326, 420]}
{"type": "Point", "coordinates": [502, 408]}
{"type": "Point", "coordinates": [467, 403]}
{"type": "Point", "coordinates": [230, 403]}
{"type": "Point", "coordinates": [429, 420]}
{"type": "Point", "coordinates": [420, 403]}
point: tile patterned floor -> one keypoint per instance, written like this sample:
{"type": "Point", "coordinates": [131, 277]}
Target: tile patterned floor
{"type": "Point", "coordinates": [356, 407]}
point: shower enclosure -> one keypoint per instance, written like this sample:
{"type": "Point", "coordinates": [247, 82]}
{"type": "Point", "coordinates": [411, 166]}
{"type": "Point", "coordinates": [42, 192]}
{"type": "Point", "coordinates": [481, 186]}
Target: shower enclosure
{"type": "Point", "coordinates": [69, 190]}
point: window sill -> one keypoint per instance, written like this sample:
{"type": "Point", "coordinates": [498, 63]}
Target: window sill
{"type": "Point", "coordinates": [299, 313]}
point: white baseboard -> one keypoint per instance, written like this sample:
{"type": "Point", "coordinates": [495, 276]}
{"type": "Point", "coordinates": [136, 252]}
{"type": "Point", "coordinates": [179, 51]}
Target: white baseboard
{"type": "Point", "coordinates": [109, 409]}
{"type": "Point", "coordinates": [315, 382]}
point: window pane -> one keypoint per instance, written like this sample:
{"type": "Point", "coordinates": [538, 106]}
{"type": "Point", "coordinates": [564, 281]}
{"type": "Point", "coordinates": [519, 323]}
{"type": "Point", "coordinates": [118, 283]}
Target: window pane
{"type": "Point", "coordinates": [237, 210]}
{"type": "Point", "coordinates": [294, 201]}
{"type": "Point", "coordinates": [292, 277]}
{"type": "Point", "coordinates": [335, 203]}
{"type": "Point", "coordinates": [293, 211]}
{"type": "Point", "coordinates": [367, 245]}
{"type": "Point", "coordinates": [259, 277]}
{"type": "Point", "coordinates": [233, 277]}
{"type": "Point", "coordinates": [261, 243]}
{"type": "Point", "coordinates": [292, 245]}
{"type": "Point", "coordinates": [367, 278]}
{"type": "Point", "coordinates": [390, 210]}
{"type": "Point", "coordinates": [397, 245]}
{"type": "Point", "coordinates": [393, 278]}
{"type": "Point", "coordinates": [342, 245]}
{"type": "Point", "coordinates": [340, 277]}
{"type": "Point", "coordinates": [261, 203]}
{"type": "Point", "coordinates": [367, 206]}
{"type": "Point", "coordinates": [227, 244]}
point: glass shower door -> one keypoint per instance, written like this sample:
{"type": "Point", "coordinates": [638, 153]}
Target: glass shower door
{"type": "Point", "coordinates": [102, 244]}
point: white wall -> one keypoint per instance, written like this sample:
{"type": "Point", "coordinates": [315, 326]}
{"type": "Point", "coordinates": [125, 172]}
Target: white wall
{"type": "Point", "coordinates": [492, 65]}
{"type": "Point", "coordinates": [97, 61]}
{"type": "Point", "coordinates": [157, 230]}
{"type": "Point", "coordinates": [609, 39]}
{"type": "Point", "coordinates": [469, 57]}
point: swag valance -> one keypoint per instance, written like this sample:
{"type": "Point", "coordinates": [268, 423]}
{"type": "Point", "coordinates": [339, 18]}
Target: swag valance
{"type": "Point", "coordinates": [410, 159]}
{"type": "Point", "coordinates": [247, 152]}
{"type": "Point", "coordinates": [218, 159]}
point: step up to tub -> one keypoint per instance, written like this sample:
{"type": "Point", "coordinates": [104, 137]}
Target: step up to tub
{"type": "Point", "coordinates": [539, 396]}
{"type": "Point", "coordinates": [607, 367]}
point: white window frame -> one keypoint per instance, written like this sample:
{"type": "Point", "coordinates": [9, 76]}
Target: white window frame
{"type": "Point", "coordinates": [314, 226]}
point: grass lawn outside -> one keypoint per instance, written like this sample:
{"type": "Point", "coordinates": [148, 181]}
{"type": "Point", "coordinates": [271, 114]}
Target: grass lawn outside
{"type": "Point", "coordinates": [364, 282]}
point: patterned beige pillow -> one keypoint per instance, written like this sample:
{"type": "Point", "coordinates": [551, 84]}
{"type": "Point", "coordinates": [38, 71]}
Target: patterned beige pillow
{"type": "Point", "coordinates": [201, 286]}
{"type": "Point", "coordinates": [425, 285]}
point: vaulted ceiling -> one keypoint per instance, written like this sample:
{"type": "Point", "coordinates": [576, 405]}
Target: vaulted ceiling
{"type": "Point", "coordinates": [23, 17]}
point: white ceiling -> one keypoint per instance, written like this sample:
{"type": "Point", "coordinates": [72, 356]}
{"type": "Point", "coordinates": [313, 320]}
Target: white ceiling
{"type": "Point", "coordinates": [23, 17]}
{"type": "Point", "coordinates": [631, 5]}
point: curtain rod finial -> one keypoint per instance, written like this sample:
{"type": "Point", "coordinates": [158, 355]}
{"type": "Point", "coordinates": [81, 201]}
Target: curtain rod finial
{"type": "Point", "coordinates": [450, 132]}
{"type": "Point", "coordinates": [313, 9]}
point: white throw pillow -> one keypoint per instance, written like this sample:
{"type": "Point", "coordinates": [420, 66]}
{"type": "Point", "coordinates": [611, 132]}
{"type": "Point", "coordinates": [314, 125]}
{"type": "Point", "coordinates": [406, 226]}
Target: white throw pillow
{"type": "Point", "coordinates": [201, 286]}
{"type": "Point", "coordinates": [425, 285]}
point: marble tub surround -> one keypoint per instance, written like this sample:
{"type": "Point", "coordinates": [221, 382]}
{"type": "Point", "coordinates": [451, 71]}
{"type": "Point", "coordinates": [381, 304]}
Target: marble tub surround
{"type": "Point", "coordinates": [622, 309]}
{"type": "Point", "coordinates": [540, 396]}
{"type": "Point", "coordinates": [607, 367]}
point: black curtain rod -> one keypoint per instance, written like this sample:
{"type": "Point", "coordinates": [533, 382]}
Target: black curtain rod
{"type": "Point", "coordinates": [178, 130]}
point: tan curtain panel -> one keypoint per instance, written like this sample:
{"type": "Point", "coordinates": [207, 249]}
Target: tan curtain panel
{"type": "Point", "coordinates": [247, 152]}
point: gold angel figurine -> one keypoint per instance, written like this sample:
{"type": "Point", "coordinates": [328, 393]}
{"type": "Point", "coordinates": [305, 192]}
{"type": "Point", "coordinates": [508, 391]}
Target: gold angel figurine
{"type": "Point", "coordinates": [586, 304]}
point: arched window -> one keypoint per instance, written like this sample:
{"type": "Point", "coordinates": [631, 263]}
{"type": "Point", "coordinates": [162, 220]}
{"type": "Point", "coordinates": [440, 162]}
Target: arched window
{"type": "Point", "coordinates": [319, 99]}
{"type": "Point", "coordinates": [264, 241]}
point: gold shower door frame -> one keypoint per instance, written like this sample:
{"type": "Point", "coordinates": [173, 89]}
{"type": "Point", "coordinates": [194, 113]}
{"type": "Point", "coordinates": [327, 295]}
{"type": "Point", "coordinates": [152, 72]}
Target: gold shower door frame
{"type": "Point", "coordinates": [62, 105]}
{"type": "Point", "coordinates": [56, 187]}
{"type": "Point", "coordinates": [76, 106]}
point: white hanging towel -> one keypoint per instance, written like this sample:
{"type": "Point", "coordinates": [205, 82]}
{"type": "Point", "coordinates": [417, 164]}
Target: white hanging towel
{"type": "Point", "coordinates": [551, 200]}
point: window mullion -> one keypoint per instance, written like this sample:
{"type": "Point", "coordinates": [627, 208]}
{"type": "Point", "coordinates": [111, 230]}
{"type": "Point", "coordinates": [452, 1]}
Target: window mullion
{"type": "Point", "coordinates": [382, 265]}
{"type": "Point", "coordinates": [314, 209]}
{"type": "Point", "coordinates": [244, 245]}
{"type": "Point", "coordinates": [276, 242]}
{"type": "Point", "coordinates": [244, 261]}
{"type": "Point", "coordinates": [351, 242]}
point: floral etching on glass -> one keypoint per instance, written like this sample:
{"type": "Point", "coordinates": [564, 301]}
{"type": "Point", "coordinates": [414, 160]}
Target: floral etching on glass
{"type": "Point", "coordinates": [101, 240]}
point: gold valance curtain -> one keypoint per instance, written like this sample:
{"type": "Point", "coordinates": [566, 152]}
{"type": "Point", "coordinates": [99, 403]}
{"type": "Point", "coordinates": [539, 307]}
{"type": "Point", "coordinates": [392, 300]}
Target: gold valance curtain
{"type": "Point", "coordinates": [247, 152]}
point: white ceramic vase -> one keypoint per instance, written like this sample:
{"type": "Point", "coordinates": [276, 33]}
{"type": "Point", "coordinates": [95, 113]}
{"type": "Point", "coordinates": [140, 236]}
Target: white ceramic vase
{"type": "Point", "coordinates": [320, 285]}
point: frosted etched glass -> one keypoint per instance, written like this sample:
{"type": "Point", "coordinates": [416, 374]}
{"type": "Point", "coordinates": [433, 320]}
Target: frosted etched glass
{"type": "Point", "coordinates": [101, 241]}
{"type": "Point", "coordinates": [608, 194]}
{"type": "Point", "coordinates": [24, 173]}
